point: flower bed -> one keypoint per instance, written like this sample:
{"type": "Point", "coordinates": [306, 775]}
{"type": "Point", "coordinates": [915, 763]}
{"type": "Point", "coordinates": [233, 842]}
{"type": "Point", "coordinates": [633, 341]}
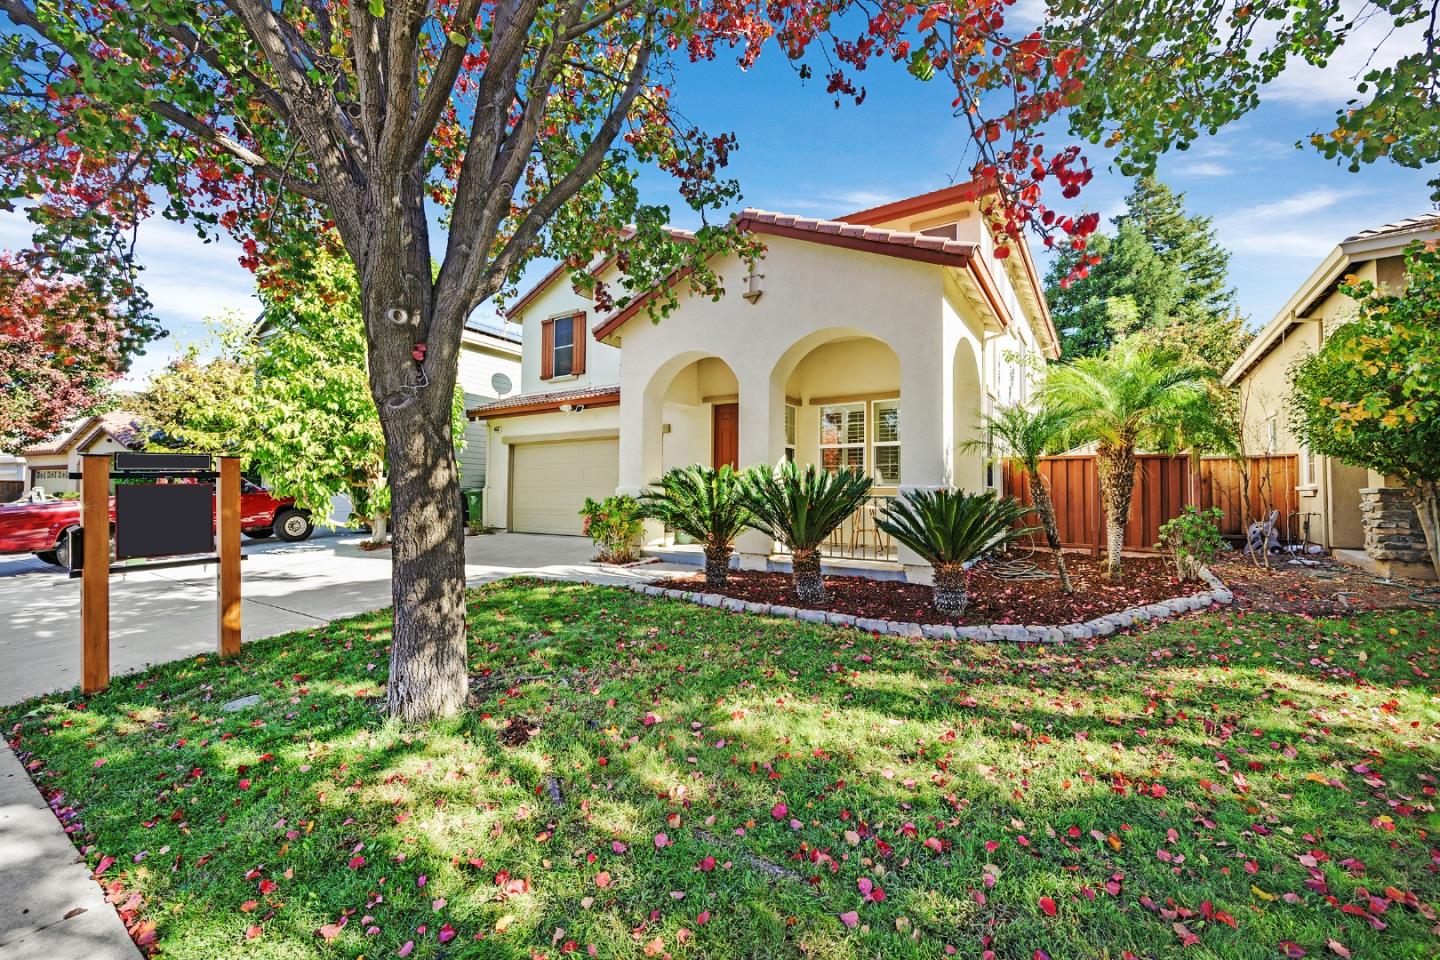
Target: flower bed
{"type": "Point", "coordinates": [1001, 606]}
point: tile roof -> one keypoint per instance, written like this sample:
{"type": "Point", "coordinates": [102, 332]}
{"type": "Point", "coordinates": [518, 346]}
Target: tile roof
{"type": "Point", "coordinates": [1429, 221]}
{"type": "Point", "coordinates": [750, 217]}
{"type": "Point", "coordinates": [541, 402]}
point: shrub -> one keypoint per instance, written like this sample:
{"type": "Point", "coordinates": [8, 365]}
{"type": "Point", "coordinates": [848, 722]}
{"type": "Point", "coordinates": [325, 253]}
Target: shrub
{"type": "Point", "coordinates": [614, 524]}
{"type": "Point", "coordinates": [800, 507]}
{"type": "Point", "coordinates": [1192, 540]}
{"type": "Point", "coordinates": [703, 503]}
{"type": "Point", "coordinates": [951, 528]}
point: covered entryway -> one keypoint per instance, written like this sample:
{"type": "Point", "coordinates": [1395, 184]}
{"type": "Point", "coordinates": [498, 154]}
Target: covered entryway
{"type": "Point", "coordinates": [550, 481]}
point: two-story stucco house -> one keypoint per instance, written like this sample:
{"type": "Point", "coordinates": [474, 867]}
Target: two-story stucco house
{"type": "Point", "coordinates": [1334, 497]}
{"type": "Point", "coordinates": [873, 341]}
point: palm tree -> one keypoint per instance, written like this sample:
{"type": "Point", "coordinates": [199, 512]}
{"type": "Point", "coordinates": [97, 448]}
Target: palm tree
{"type": "Point", "coordinates": [1126, 397]}
{"type": "Point", "coordinates": [800, 508]}
{"type": "Point", "coordinates": [1025, 435]}
{"type": "Point", "coordinates": [949, 529]}
{"type": "Point", "coordinates": [703, 503]}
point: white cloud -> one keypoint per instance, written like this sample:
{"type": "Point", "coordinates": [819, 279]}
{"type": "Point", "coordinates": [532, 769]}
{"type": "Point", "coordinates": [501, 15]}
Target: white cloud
{"type": "Point", "coordinates": [1373, 44]}
{"type": "Point", "coordinates": [1203, 168]}
{"type": "Point", "coordinates": [1297, 204]}
{"type": "Point", "coordinates": [1305, 224]}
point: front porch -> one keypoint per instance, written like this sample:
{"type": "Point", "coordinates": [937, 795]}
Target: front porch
{"type": "Point", "coordinates": [834, 399]}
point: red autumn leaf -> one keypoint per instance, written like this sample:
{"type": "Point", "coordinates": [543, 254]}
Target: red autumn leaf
{"type": "Point", "coordinates": [779, 811]}
{"type": "Point", "coordinates": [1047, 904]}
{"type": "Point", "coordinates": [707, 864]}
{"type": "Point", "coordinates": [850, 918]}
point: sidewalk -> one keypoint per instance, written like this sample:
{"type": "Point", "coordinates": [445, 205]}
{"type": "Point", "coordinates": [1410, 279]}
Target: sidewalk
{"type": "Point", "coordinates": [51, 908]}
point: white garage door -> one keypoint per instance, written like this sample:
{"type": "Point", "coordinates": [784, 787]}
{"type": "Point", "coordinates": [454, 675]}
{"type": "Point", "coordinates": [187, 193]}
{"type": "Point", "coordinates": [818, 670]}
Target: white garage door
{"type": "Point", "coordinates": [550, 481]}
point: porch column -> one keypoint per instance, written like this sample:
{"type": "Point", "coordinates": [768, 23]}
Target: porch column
{"type": "Point", "coordinates": [923, 421]}
{"type": "Point", "coordinates": [641, 429]}
{"type": "Point", "coordinates": [762, 441]}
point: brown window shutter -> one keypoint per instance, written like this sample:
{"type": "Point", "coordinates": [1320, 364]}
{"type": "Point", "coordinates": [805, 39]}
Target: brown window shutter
{"type": "Point", "coordinates": [579, 334]}
{"type": "Point", "coordinates": [547, 349]}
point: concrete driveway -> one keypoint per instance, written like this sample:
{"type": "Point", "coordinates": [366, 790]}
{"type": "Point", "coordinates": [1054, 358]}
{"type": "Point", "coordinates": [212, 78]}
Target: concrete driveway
{"type": "Point", "coordinates": [170, 614]}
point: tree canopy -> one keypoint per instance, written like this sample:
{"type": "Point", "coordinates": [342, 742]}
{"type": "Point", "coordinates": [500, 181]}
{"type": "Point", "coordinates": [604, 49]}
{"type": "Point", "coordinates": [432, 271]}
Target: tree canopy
{"type": "Point", "coordinates": [1162, 274]}
{"type": "Point", "coordinates": [60, 349]}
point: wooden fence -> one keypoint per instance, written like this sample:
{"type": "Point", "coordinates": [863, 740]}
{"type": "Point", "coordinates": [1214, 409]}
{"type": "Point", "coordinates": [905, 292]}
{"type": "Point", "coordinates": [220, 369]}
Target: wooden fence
{"type": "Point", "coordinates": [1164, 485]}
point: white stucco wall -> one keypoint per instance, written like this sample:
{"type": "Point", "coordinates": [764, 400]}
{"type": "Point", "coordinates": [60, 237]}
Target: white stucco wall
{"type": "Point", "coordinates": [602, 362]}
{"type": "Point", "coordinates": [480, 359]}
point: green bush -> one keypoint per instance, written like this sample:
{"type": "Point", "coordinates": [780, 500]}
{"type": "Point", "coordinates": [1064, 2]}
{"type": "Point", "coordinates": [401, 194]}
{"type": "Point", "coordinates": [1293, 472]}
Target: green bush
{"type": "Point", "coordinates": [951, 528]}
{"type": "Point", "coordinates": [705, 504]}
{"type": "Point", "coordinates": [1192, 540]}
{"type": "Point", "coordinates": [614, 524]}
{"type": "Point", "coordinates": [800, 507]}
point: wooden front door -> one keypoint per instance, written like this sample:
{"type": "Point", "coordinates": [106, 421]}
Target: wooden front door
{"type": "Point", "coordinates": [725, 436]}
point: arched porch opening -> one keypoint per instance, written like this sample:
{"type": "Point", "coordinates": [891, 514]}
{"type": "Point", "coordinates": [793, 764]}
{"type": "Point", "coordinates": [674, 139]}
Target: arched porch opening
{"type": "Point", "coordinates": [968, 464]}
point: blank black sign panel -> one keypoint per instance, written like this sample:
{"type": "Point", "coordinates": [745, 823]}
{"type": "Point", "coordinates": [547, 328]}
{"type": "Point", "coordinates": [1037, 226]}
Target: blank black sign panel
{"type": "Point", "coordinates": [164, 519]}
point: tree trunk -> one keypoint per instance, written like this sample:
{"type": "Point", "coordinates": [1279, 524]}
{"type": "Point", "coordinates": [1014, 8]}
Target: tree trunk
{"type": "Point", "coordinates": [1426, 495]}
{"type": "Point", "coordinates": [1046, 508]}
{"type": "Point", "coordinates": [809, 584]}
{"type": "Point", "coordinates": [717, 566]}
{"type": "Point", "coordinates": [1115, 469]}
{"type": "Point", "coordinates": [379, 531]}
{"type": "Point", "coordinates": [950, 590]}
{"type": "Point", "coordinates": [428, 668]}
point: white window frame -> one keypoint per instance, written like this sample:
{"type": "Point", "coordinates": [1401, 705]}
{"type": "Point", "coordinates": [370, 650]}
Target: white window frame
{"type": "Point", "coordinates": [1309, 470]}
{"type": "Point", "coordinates": [1272, 433]}
{"type": "Point", "coordinates": [556, 347]}
{"type": "Point", "coordinates": [861, 445]}
{"type": "Point", "coordinates": [876, 443]}
{"type": "Point", "coordinates": [792, 420]}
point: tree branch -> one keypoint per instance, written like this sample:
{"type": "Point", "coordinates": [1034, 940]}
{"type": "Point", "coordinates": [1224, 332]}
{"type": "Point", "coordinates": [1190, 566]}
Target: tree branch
{"type": "Point", "coordinates": [257, 164]}
{"type": "Point", "coordinates": [442, 82]}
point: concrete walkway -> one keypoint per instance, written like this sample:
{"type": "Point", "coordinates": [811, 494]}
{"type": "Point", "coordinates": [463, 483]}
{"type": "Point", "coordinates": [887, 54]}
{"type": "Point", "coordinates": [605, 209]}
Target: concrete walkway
{"type": "Point", "coordinates": [51, 908]}
{"type": "Point", "coordinates": [163, 615]}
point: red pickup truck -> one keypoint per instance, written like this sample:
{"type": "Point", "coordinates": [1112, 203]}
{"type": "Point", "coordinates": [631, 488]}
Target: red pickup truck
{"type": "Point", "coordinates": [40, 526]}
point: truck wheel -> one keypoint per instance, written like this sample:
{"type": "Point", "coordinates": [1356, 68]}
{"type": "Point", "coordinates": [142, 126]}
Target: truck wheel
{"type": "Point", "coordinates": [292, 526]}
{"type": "Point", "coordinates": [264, 533]}
{"type": "Point", "coordinates": [60, 556]}
{"type": "Point", "coordinates": [49, 556]}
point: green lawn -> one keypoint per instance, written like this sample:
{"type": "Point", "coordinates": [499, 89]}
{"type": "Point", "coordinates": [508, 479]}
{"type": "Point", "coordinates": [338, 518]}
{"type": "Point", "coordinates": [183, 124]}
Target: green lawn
{"type": "Point", "coordinates": [648, 778]}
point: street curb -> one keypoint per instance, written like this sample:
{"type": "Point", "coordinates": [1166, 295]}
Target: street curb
{"type": "Point", "coordinates": [1218, 594]}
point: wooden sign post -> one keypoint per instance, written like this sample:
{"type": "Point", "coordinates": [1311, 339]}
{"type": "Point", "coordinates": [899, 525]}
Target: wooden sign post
{"type": "Point", "coordinates": [163, 521]}
{"type": "Point", "coordinates": [227, 545]}
{"type": "Point", "coordinates": [95, 585]}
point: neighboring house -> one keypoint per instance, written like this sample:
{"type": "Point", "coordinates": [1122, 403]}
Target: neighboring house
{"type": "Point", "coordinates": [874, 341]}
{"type": "Point", "coordinates": [1337, 498]}
{"type": "Point", "coordinates": [489, 370]}
{"type": "Point", "coordinates": [49, 463]}
{"type": "Point", "coordinates": [12, 477]}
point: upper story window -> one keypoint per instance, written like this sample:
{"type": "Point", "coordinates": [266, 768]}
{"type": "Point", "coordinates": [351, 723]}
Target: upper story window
{"type": "Point", "coordinates": [790, 415]}
{"type": "Point", "coordinates": [562, 346]}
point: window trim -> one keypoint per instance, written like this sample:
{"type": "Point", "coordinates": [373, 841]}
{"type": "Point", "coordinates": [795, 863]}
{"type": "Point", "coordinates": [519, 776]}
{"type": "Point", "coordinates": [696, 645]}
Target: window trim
{"type": "Point", "coordinates": [576, 346]}
{"type": "Point", "coordinates": [875, 442]}
{"type": "Point", "coordinates": [792, 430]}
{"type": "Point", "coordinates": [863, 444]}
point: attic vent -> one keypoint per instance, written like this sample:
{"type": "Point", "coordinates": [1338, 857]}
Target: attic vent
{"type": "Point", "coordinates": [947, 231]}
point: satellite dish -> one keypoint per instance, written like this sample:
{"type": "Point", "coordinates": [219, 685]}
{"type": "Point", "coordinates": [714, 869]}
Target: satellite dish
{"type": "Point", "coordinates": [501, 384]}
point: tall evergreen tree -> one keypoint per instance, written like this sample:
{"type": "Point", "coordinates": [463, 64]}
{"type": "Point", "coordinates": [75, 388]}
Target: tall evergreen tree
{"type": "Point", "coordinates": [1162, 274]}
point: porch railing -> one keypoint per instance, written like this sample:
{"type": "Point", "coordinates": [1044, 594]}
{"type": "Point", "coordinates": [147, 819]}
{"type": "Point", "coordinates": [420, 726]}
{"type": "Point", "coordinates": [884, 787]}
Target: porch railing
{"type": "Point", "coordinates": [859, 538]}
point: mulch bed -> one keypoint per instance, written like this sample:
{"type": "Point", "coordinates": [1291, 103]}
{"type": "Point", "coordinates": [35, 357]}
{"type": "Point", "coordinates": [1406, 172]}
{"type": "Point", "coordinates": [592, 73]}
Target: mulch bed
{"type": "Point", "coordinates": [1320, 588]}
{"type": "Point", "coordinates": [994, 596]}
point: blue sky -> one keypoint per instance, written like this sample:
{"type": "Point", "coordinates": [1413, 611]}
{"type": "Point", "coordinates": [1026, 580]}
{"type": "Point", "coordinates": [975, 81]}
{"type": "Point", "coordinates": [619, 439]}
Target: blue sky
{"type": "Point", "coordinates": [1277, 209]}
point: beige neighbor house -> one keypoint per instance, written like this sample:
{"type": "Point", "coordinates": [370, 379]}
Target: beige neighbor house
{"type": "Point", "coordinates": [1356, 513]}
{"type": "Point", "coordinates": [873, 341]}
{"type": "Point", "coordinates": [49, 463]}
{"type": "Point", "coordinates": [489, 370]}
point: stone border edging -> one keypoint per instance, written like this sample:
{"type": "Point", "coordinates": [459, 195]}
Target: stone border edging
{"type": "Point", "coordinates": [1099, 627]}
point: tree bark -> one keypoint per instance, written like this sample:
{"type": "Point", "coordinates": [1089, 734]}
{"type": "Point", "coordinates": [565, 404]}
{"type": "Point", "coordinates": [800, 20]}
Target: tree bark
{"type": "Point", "coordinates": [717, 566]}
{"type": "Point", "coordinates": [1115, 469]}
{"type": "Point", "coordinates": [1046, 508]}
{"type": "Point", "coordinates": [1426, 495]}
{"type": "Point", "coordinates": [809, 584]}
{"type": "Point", "coordinates": [428, 668]}
{"type": "Point", "coordinates": [950, 590]}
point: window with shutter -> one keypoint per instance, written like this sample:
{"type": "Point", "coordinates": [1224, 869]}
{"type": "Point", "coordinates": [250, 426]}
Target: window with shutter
{"type": "Point", "coordinates": [562, 346]}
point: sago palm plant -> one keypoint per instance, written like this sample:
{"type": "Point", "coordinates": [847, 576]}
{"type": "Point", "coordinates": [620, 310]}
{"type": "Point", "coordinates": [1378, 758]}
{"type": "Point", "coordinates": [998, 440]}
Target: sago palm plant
{"type": "Point", "coordinates": [1122, 399]}
{"type": "Point", "coordinates": [1025, 435]}
{"type": "Point", "coordinates": [706, 504]}
{"type": "Point", "coordinates": [951, 528]}
{"type": "Point", "coordinates": [800, 507]}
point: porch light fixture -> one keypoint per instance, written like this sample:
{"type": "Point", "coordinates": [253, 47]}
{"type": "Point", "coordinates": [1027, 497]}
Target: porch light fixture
{"type": "Point", "coordinates": [753, 288]}
{"type": "Point", "coordinates": [566, 407]}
